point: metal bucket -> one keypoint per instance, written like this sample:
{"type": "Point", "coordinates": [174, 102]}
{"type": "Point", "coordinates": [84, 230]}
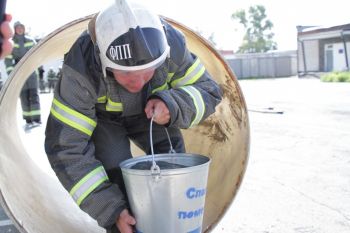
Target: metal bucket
{"type": "Point", "coordinates": [171, 200]}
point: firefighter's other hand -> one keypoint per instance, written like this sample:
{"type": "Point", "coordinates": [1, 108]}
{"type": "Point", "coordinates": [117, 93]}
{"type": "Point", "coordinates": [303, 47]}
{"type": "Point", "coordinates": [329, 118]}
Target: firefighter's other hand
{"type": "Point", "coordinates": [158, 109]}
{"type": "Point", "coordinates": [125, 222]}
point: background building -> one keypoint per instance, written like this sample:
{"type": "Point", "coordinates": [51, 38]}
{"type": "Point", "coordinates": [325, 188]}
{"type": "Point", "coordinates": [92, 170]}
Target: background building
{"type": "Point", "coordinates": [323, 49]}
{"type": "Point", "coordinates": [271, 64]}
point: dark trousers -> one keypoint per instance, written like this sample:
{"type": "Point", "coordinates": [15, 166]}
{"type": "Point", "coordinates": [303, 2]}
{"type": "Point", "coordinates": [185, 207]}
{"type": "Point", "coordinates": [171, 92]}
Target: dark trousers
{"type": "Point", "coordinates": [30, 100]}
{"type": "Point", "coordinates": [111, 138]}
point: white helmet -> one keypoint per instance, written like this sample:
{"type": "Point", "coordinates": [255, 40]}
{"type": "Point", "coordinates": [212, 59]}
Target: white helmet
{"type": "Point", "coordinates": [130, 37]}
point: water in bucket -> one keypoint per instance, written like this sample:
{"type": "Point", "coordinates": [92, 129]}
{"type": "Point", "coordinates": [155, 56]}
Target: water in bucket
{"type": "Point", "coordinates": [166, 192]}
{"type": "Point", "coordinates": [147, 165]}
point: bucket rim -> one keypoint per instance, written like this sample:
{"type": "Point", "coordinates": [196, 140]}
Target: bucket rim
{"type": "Point", "coordinates": [126, 164]}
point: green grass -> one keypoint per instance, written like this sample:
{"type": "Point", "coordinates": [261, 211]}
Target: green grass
{"type": "Point", "coordinates": [336, 77]}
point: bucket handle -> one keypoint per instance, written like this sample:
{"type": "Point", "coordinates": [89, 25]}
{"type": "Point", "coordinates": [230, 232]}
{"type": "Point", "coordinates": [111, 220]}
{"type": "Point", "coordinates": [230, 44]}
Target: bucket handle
{"type": "Point", "coordinates": [155, 170]}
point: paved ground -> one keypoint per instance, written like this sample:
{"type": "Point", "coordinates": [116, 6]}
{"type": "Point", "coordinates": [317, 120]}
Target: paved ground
{"type": "Point", "coordinates": [298, 175]}
{"type": "Point", "coordinates": [6, 224]}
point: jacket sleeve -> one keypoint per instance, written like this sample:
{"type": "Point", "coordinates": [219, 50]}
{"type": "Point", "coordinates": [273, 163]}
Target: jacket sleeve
{"type": "Point", "coordinates": [192, 94]}
{"type": "Point", "coordinates": [70, 149]}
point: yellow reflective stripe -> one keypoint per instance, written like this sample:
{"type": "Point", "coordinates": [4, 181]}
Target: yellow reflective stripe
{"type": "Point", "coordinates": [102, 99]}
{"type": "Point", "coordinates": [191, 76]}
{"type": "Point", "coordinates": [165, 85]}
{"type": "Point", "coordinates": [114, 106]}
{"type": "Point", "coordinates": [198, 103]}
{"type": "Point", "coordinates": [170, 75]}
{"type": "Point", "coordinates": [88, 184]}
{"type": "Point", "coordinates": [72, 118]}
{"type": "Point", "coordinates": [9, 56]}
{"type": "Point", "coordinates": [161, 88]}
{"type": "Point", "coordinates": [15, 45]}
{"type": "Point", "coordinates": [28, 44]}
{"type": "Point", "coordinates": [8, 69]}
{"type": "Point", "coordinates": [31, 113]}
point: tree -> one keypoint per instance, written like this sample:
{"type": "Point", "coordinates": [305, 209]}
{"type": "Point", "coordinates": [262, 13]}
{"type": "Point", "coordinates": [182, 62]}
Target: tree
{"type": "Point", "coordinates": [210, 38]}
{"type": "Point", "coordinates": [258, 30]}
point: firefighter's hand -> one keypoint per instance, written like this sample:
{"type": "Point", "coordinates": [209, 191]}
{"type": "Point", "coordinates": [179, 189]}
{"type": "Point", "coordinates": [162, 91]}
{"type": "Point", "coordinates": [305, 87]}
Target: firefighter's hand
{"type": "Point", "coordinates": [125, 222]}
{"type": "Point", "coordinates": [7, 33]}
{"type": "Point", "coordinates": [158, 109]}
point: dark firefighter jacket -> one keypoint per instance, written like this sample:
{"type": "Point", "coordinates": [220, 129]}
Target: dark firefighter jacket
{"type": "Point", "coordinates": [182, 82]}
{"type": "Point", "coordinates": [21, 45]}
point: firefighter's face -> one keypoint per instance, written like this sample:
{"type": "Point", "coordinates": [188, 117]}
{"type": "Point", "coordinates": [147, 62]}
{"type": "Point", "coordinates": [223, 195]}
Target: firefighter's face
{"type": "Point", "coordinates": [19, 29]}
{"type": "Point", "coordinates": [133, 81]}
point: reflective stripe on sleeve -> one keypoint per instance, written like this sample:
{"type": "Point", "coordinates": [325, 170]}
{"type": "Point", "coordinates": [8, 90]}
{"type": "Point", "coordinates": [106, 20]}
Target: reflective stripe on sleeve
{"type": "Point", "coordinates": [169, 76]}
{"type": "Point", "coordinates": [198, 103]}
{"type": "Point", "coordinates": [72, 118]}
{"type": "Point", "coordinates": [191, 76]}
{"type": "Point", "coordinates": [28, 44]}
{"type": "Point", "coordinates": [88, 184]}
{"type": "Point", "coordinates": [165, 86]}
{"type": "Point", "coordinates": [114, 106]}
{"type": "Point", "coordinates": [161, 88]}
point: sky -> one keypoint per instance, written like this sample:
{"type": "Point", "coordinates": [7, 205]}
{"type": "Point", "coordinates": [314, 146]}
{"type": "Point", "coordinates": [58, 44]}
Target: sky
{"type": "Point", "coordinates": [41, 17]}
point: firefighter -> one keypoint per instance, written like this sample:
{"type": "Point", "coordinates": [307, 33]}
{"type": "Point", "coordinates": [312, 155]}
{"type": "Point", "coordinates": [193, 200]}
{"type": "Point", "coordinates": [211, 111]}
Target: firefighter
{"type": "Point", "coordinates": [59, 72]}
{"type": "Point", "coordinates": [41, 72]}
{"type": "Point", "coordinates": [129, 66]}
{"type": "Point", "coordinates": [51, 79]}
{"type": "Point", "coordinates": [29, 94]}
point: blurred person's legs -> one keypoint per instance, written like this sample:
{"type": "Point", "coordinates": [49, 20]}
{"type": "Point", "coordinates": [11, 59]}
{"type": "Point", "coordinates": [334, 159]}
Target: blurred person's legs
{"type": "Point", "coordinates": [30, 101]}
{"type": "Point", "coordinates": [42, 85]}
{"type": "Point", "coordinates": [51, 85]}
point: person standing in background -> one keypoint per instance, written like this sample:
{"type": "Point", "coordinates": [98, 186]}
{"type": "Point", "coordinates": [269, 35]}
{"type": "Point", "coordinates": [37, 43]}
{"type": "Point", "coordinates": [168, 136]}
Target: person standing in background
{"type": "Point", "coordinates": [41, 72]}
{"type": "Point", "coordinates": [59, 72]}
{"type": "Point", "coordinates": [51, 79]}
{"type": "Point", "coordinates": [29, 94]}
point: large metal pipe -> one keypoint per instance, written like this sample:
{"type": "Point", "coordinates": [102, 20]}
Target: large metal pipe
{"type": "Point", "coordinates": [36, 201]}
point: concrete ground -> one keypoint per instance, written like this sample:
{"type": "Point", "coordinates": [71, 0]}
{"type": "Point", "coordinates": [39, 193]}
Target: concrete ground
{"type": "Point", "coordinates": [298, 174]}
